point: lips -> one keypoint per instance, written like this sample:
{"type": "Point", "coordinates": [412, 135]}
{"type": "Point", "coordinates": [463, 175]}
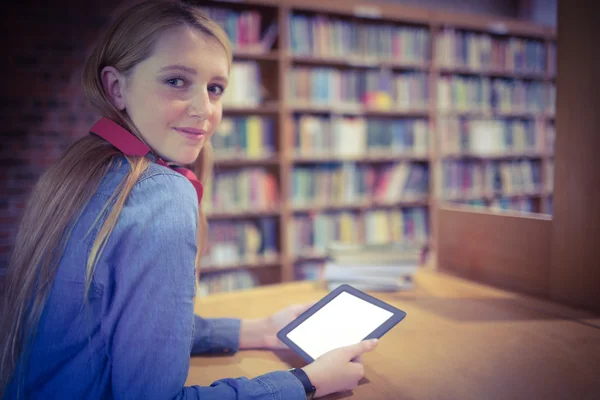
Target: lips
{"type": "Point", "coordinates": [191, 133]}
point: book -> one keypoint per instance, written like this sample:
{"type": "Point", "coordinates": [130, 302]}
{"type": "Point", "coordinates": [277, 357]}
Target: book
{"type": "Point", "coordinates": [377, 267]}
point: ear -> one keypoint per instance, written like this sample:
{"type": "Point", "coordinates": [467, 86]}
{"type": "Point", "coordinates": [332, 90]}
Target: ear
{"type": "Point", "coordinates": [114, 86]}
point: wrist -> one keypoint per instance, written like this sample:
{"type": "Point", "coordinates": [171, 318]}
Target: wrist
{"type": "Point", "coordinates": [307, 384]}
{"type": "Point", "coordinates": [252, 333]}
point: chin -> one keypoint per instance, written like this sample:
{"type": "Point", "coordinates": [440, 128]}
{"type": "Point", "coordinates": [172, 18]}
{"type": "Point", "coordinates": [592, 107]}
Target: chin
{"type": "Point", "coordinates": [182, 159]}
{"type": "Point", "coordinates": [187, 159]}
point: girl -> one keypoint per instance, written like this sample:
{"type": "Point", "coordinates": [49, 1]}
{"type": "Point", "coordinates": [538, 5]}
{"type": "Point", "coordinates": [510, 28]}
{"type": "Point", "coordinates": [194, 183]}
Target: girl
{"type": "Point", "coordinates": [100, 291]}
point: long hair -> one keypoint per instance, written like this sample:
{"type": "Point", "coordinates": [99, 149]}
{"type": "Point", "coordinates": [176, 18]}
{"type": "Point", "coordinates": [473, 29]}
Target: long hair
{"type": "Point", "coordinates": [64, 189]}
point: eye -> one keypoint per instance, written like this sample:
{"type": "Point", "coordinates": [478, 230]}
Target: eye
{"type": "Point", "coordinates": [176, 82]}
{"type": "Point", "coordinates": [217, 90]}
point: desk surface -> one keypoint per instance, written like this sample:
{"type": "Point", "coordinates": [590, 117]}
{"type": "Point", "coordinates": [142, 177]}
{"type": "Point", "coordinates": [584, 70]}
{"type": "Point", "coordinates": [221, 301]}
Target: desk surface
{"type": "Point", "coordinates": [460, 340]}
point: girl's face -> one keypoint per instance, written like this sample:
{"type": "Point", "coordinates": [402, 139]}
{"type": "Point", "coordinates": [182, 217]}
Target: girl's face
{"type": "Point", "coordinates": [174, 96]}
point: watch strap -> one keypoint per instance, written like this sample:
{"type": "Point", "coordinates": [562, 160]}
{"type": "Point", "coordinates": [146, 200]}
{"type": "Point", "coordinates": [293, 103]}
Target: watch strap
{"type": "Point", "coordinates": [309, 389]}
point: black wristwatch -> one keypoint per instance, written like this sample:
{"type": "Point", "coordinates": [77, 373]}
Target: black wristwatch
{"type": "Point", "coordinates": [309, 389]}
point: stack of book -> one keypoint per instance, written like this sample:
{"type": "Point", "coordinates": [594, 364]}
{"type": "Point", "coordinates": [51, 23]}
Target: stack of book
{"type": "Point", "coordinates": [388, 267]}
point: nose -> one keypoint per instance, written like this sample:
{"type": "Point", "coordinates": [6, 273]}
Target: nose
{"type": "Point", "coordinates": [200, 105]}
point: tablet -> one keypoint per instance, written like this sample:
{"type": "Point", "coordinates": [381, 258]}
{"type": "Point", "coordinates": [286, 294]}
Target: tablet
{"type": "Point", "coordinates": [345, 316]}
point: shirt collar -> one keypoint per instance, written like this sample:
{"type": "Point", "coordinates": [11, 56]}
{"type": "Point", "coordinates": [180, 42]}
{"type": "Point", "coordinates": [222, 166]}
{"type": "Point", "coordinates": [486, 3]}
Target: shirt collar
{"type": "Point", "coordinates": [128, 144]}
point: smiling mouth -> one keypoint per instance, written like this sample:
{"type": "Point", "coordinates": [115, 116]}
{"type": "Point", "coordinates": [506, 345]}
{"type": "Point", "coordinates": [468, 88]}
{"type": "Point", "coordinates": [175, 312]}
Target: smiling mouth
{"type": "Point", "coordinates": [191, 133]}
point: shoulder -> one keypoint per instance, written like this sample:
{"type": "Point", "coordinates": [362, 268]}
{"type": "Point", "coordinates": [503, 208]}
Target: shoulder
{"type": "Point", "coordinates": [161, 198]}
{"type": "Point", "coordinates": [158, 180]}
{"type": "Point", "coordinates": [156, 177]}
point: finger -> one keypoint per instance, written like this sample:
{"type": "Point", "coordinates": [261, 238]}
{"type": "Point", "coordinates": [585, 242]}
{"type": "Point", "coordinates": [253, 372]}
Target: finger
{"type": "Point", "coordinates": [359, 370]}
{"type": "Point", "coordinates": [300, 308]}
{"type": "Point", "coordinates": [358, 359]}
{"type": "Point", "coordinates": [357, 349]}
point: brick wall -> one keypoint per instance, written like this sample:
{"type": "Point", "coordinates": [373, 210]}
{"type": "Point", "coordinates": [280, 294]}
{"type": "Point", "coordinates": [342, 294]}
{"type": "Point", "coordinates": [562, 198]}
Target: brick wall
{"type": "Point", "coordinates": [42, 107]}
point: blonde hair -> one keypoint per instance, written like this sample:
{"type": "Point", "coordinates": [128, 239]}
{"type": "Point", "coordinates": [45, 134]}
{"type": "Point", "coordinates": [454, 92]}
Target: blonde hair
{"type": "Point", "coordinates": [65, 188]}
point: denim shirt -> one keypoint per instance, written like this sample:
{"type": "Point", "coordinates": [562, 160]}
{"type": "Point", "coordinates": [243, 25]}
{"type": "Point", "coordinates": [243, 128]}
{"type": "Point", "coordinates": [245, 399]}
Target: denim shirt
{"type": "Point", "coordinates": [133, 336]}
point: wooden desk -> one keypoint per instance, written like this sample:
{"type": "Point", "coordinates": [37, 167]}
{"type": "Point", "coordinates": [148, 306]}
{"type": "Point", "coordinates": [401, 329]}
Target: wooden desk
{"type": "Point", "coordinates": [460, 340]}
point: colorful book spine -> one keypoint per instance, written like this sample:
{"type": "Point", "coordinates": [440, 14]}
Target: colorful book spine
{"type": "Point", "coordinates": [311, 234]}
{"type": "Point", "coordinates": [457, 93]}
{"type": "Point", "coordinates": [218, 282]}
{"type": "Point", "coordinates": [357, 136]}
{"type": "Point", "coordinates": [486, 178]}
{"type": "Point", "coordinates": [352, 183]}
{"type": "Point", "coordinates": [323, 36]}
{"type": "Point", "coordinates": [485, 136]}
{"type": "Point", "coordinates": [358, 89]}
{"type": "Point", "coordinates": [250, 137]}
{"type": "Point", "coordinates": [246, 241]}
{"type": "Point", "coordinates": [483, 52]}
{"type": "Point", "coordinates": [242, 27]}
{"type": "Point", "coordinates": [243, 189]}
{"type": "Point", "coordinates": [244, 88]}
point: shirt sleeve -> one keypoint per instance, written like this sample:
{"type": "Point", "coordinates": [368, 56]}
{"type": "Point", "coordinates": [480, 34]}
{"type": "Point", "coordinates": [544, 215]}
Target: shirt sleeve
{"type": "Point", "coordinates": [149, 318]}
{"type": "Point", "coordinates": [216, 335]}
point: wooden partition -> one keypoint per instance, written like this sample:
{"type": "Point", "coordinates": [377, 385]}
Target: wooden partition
{"type": "Point", "coordinates": [509, 250]}
{"type": "Point", "coordinates": [575, 248]}
{"type": "Point", "coordinates": [558, 257]}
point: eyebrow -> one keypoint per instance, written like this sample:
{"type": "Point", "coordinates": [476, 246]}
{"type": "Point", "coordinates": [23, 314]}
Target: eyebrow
{"type": "Point", "coordinates": [179, 67]}
{"type": "Point", "coordinates": [192, 71]}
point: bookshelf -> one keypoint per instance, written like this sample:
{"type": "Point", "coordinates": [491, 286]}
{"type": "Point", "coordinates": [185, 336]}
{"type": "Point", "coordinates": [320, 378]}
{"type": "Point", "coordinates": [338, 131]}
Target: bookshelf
{"type": "Point", "coordinates": [348, 120]}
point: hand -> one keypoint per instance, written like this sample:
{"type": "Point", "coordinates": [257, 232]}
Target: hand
{"type": "Point", "coordinates": [262, 333]}
{"type": "Point", "coordinates": [335, 371]}
{"type": "Point", "coordinates": [275, 322]}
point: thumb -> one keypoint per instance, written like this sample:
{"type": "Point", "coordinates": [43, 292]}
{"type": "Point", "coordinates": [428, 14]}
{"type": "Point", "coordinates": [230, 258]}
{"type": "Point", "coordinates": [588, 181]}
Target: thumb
{"type": "Point", "coordinates": [300, 308]}
{"type": "Point", "coordinates": [357, 349]}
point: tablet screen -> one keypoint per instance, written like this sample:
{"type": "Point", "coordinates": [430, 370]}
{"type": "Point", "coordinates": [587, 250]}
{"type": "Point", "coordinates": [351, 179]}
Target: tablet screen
{"type": "Point", "coordinates": [343, 321]}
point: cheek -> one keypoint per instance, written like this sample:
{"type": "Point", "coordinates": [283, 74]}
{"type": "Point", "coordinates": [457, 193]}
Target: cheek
{"type": "Point", "coordinates": [173, 108]}
{"type": "Point", "coordinates": [216, 117]}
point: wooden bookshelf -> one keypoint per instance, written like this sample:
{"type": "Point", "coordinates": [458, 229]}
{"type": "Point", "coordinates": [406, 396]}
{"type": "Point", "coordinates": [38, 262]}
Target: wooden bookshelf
{"type": "Point", "coordinates": [356, 62]}
{"type": "Point", "coordinates": [278, 63]}
{"type": "Point", "coordinates": [243, 161]}
{"type": "Point", "coordinates": [496, 73]}
{"type": "Point", "coordinates": [255, 55]}
{"type": "Point", "coordinates": [267, 108]}
{"type": "Point", "coordinates": [384, 157]}
{"type": "Point", "coordinates": [255, 264]}
{"type": "Point", "coordinates": [361, 205]}
{"type": "Point", "coordinates": [242, 214]}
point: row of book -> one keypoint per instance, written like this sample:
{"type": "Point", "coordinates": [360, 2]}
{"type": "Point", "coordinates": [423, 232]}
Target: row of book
{"type": "Point", "coordinates": [244, 28]}
{"type": "Point", "coordinates": [351, 183]}
{"type": "Point", "coordinates": [312, 234]}
{"type": "Point", "coordinates": [245, 86]}
{"type": "Point", "coordinates": [248, 188]}
{"type": "Point", "coordinates": [552, 59]}
{"type": "Point", "coordinates": [550, 137]}
{"type": "Point", "coordinates": [219, 282]}
{"type": "Point", "coordinates": [522, 204]}
{"type": "Point", "coordinates": [381, 267]}
{"type": "Point", "coordinates": [356, 136]}
{"type": "Point", "coordinates": [380, 89]}
{"type": "Point", "coordinates": [465, 178]}
{"type": "Point", "coordinates": [548, 205]}
{"type": "Point", "coordinates": [245, 241]}
{"type": "Point", "coordinates": [481, 94]}
{"type": "Point", "coordinates": [324, 36]}
{"type": "Point", "coordinates": [549, 178]}
{"type": "Point", "coordinates": [250, 137]}
{"type": "Point", "coordinates": [481, 51]}
{"type": "Point", "coordinates": [489, 136]}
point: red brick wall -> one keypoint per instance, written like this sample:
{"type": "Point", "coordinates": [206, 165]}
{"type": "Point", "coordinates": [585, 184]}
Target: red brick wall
{"type": "Point", "coordinates": [42, 107]}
